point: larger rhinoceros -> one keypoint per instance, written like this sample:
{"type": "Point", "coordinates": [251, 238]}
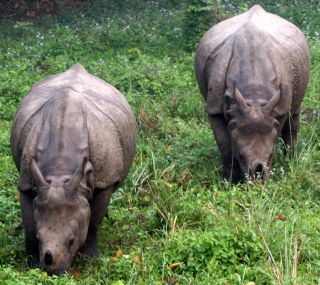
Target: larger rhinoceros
{"type": "Point", "coordinates": [73, 140]}
{"type": "Point", "coordinates": [253, 71]}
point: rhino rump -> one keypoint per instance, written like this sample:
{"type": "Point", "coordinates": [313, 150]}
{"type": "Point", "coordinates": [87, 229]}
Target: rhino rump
{"type": "Point", "coordinates": [109, 138]}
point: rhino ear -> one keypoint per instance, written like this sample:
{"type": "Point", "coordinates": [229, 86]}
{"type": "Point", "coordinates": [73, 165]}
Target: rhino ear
{"type": "Point", "coordinates": [269, 107]}
{"type": "Point", "coordinates": [240, 99]}
{"type": "Point", "coordinates": [37, 175]}
{"type": "Point", "coordinates": [87, 188]}
{"type": "Point", "coordinates": [72, 186]}
{"type": "Point", "coordinates": [228, 102]}
{"type": "Point", "coordinates": [84, 171]}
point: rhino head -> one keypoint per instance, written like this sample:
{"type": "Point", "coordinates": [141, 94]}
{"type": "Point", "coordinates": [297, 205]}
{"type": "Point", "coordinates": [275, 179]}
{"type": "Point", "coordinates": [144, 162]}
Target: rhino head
{"type": "Point", "coordinates": [253, 132]}
{"type": "Point", "coordinates": [62, 215]}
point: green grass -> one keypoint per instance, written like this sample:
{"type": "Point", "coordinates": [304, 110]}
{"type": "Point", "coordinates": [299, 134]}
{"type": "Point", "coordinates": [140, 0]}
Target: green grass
{"type": "Point", "coordinates": [175, 220]}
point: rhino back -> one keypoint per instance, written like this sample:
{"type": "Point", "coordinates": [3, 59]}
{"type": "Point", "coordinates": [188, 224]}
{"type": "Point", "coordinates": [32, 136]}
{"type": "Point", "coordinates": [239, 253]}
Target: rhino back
{"type": "Point", "coordinates": [70, 115]}
{"type": "Point", "coordinates": [218, 46]}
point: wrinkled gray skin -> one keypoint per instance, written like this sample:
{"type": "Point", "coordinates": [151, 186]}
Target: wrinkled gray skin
{"type": "Point", "coordinates": [253, 71]}
{"type": "Point", "coordinates": [73, 140]}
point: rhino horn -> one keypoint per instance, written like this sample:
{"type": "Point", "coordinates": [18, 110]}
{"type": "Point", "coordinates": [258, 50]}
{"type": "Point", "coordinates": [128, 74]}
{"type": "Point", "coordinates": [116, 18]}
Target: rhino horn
{"type": "Point", "coordinates": [269, 107]}
{"type": "Point", "coordinates": [72, 186]}
{"type": "Point", "coordinates": [37, 175]}
{"type": "Point", "coordinates": [240, 99]}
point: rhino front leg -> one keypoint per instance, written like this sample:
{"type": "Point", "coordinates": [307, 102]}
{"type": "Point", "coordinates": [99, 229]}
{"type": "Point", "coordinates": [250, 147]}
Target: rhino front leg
{"type": "Point", "coordinates": [99, 207]}
{"type": "Point", "coordinates": [289, 133]}
{"type": "Point", "coordinates": [31, 241]}
{"type": "Point", "coordinates": [230, 166]}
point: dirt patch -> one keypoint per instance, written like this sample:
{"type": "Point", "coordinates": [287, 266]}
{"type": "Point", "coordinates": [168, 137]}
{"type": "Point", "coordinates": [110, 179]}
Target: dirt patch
{"type": "Point", "coordinates": [33, 9]}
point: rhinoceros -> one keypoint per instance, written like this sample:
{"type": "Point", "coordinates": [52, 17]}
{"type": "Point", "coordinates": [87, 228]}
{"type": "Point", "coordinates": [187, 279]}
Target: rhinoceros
{"type": "Point", "coordinates": [252, 71]}
{"type": "Point", "coordinates": [73, 140]}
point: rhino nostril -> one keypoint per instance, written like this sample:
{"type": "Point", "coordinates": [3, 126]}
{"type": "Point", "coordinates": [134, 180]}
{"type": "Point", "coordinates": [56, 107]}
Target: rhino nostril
{"type": "Point", "coordinates": [259, 168]}
{"type": "Point", "coordinates": [48, 260]}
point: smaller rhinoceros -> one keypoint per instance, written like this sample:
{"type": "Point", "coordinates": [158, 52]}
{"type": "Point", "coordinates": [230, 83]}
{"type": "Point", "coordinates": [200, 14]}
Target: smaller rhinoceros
{"type": "Point", "coordinates": [73, 140]}
{"type": "Point", "coordinates": [253, 71]}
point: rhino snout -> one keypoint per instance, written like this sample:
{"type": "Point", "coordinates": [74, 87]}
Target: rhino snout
{"type": "Point", "coordinates": [48, 259]}
{"type": "Point", "coordinates": [53, 264]}
{"type": "Point", "coordinates": [258, 169]}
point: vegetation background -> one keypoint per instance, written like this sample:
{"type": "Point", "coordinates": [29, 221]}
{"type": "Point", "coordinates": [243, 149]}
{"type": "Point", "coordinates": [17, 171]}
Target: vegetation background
{"type": "Point", "coordinates": [175, 221]}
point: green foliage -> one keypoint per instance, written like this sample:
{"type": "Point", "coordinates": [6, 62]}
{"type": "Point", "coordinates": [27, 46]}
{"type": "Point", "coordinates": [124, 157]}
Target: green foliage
{"type": "Point", "coordinates": [175, 220]}
{"type": "Point", "coordinates": [219, 252]}
{"type": "Point", "coordinates": [201, 15]}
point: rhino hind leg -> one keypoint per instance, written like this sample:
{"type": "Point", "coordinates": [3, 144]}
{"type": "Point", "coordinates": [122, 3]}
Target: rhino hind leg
{"type": "Point", "coordinates": [231, 168]}
{"type": "Point", "coordinates": [31, 241]}
{"type": "Point", "coordinates": [289, 133]}
{"type": "Point", "coordinates": [99, 207]}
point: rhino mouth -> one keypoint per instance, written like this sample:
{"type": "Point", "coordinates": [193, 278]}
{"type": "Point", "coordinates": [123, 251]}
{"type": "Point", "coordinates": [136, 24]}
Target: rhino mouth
{"type": "Point", "coordinates": [58, 271]}
{"type": "Point", "coordinates": [54, 268]}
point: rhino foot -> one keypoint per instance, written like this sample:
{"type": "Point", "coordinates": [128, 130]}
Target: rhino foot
{"type": "Point", "coordinates": [90, 250]}
{"type": "Point", "coordinates": [90, 247]}
{"type": "Point", "coordinates": [231, 169]}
